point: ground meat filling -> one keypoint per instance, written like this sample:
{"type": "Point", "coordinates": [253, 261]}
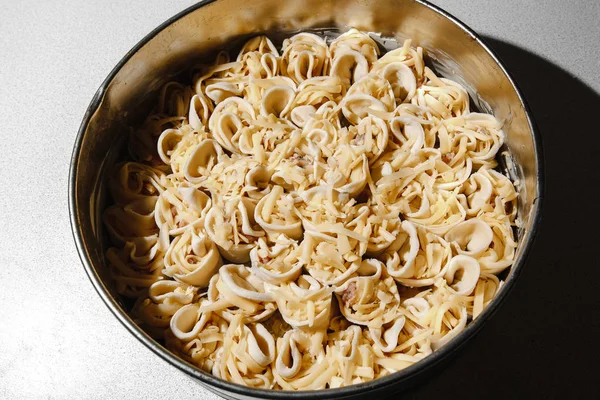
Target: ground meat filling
{"type": "Point", "coordinates": [447, 157]}
{"type": "Point", "coordinates": [349, 295]}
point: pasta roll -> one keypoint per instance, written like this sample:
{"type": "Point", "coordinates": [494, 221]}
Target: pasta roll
{"type": "Point", "coordinates": [134, 268]}
{"type": "Point", "coordinates": [418, 308]}
{"type": "Point", "coordinates": [386, 337]}
{"type": "Point", "coordinates": [192, 258]}
{"type": "Point", "coordinates": [237, 176]}
{"type": "Point", "coordinates": [367, 96]}
{"type": "Point", "coordinates": [349, 170]}
{"type": "Point", "coordinates": [265, 136]}
{"type": "Point", "coordinates": [246, 355]}
{"type": "Point", "coordinates": [200, 110]}
{"type": "Point", "coordinates": [505, 191]}
{"type": "Point", "coordinates": [489, 191]}
{"type": "Point", "coordinates": [414, 201]}
{"type": "Point", "coordinates": [442, 97]}
{"type": "Point", "coordinates": [221, 82]}
{"type": "Point", "coordinates": [258, 89]}
{"type": "Point", "coordinates": [403, 68]}
{"type": "Point", "coordinates": [401, 79]}
{"type": "Point", "coordinates": [219, 90]}
{"type": "Point", "coordinates": [321, 135]}
{"type": "Point", "coordinates": [298, 366]}
{"type": "Point", "coordinates": [501, 252]}
{"type": "Point", "coordinates": [446, 314]}
{"type": "Point", "coordinates": [357, 41]}
{"type": "Point", "coordinates": [352, 356]}
{"type": "Point", "coordinates": [482, 136]}
{"type": "Point", "coordinates": [414, 345]}
{"type": "Point", "coordinates": [177, 146]}
{"type": "Point", "coordinates": [276, 263]}
{"type": "Point", "coordinates": [418, 259]}
{"type": "Point", "coordinates": [304, 56]}
{"type": "Point", "coordinates": [232, 227]}
{"type": "Point", "coordinates": [304, 304]}
{"type": "Point", "coordinates": [277, 101]}
{"type": "Point", "coordinates": [478, 190]}
{"type": "Point", "coordinates": [400, 259]}
{"type": "Point", "coordinates": [142, 141]}
{"type": "Point", "coordinates": [134, 220]}
{"type": "Point", "coordinates": [485, 291]}
{"type": "Point", "coordinates": [349, 66]}
{"type": "Point", "coordinates": [164, 299]}
{"type": "Point", "coordinates": [228, 119]}
{"type": "Point", "coordinates": [385, 225]}
{"type": "Point", "coordinates": [200, 160]}
{"type": "Point", "coordinates": [468, 277]}
{"type": "Point", "coordinates": [420, 114]}
{"type": "Point", "coordinates": [370, 136]}
{"type": "Point", "coordinates": [408, 132]}
{"type": "Point", "coordinates": [275, 214]}
{"type": "Point", "coordinates": [178, 208]}
{"type": "Point", "coordinates": [298, 170]}
{"type": "Point", "coordinates": [197, 336]}
{"type": "Point", "coordinates": [257, 183]}
{"type": "Point", "coordinates": [134, 181]}
{"type": "Point", "coordinates": [318, 91]}
{"type": "Point", "coordinates": [396, 170]}
{"type": "Point", "coordinates": [168, 141]}
{"type": "Point", "coordinates": [259, 58]}
{"type": "Point", "coordinates": [449, 320]}
{"type": "Point", "coordinates": [471, 237]}
{"type": "Point", "coordinates": [236, 291]}
{"type": "Point", "coordinates": [332, 252]}
{"type": "Point", "coordinates": [371, 300]}
{"type": "Point", "coordinates": [214, 84]}
{"type": "Point", "coordinates": [445, 212]}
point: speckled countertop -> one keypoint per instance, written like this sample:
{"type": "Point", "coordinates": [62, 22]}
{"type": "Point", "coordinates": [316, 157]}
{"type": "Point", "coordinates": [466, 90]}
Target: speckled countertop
{"type": "Point", "coordinates": [58, 339]}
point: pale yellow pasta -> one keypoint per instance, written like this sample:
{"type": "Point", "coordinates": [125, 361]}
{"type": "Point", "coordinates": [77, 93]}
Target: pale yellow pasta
{"type": "Point", "coordinates": [312, 216]}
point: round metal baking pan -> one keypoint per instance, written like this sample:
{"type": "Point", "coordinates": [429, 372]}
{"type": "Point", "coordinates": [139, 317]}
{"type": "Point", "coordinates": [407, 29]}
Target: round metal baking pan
{"type": "Point", "coordinates": [453, 49]}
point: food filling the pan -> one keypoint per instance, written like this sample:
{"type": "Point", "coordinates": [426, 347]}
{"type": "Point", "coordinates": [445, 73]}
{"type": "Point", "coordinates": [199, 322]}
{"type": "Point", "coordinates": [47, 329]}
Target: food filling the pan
{"type": "Point", "coordinates": [311, 217]}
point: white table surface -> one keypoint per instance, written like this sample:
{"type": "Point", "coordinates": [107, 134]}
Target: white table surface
{"type": "Point", "coordinates": [57, 338]}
